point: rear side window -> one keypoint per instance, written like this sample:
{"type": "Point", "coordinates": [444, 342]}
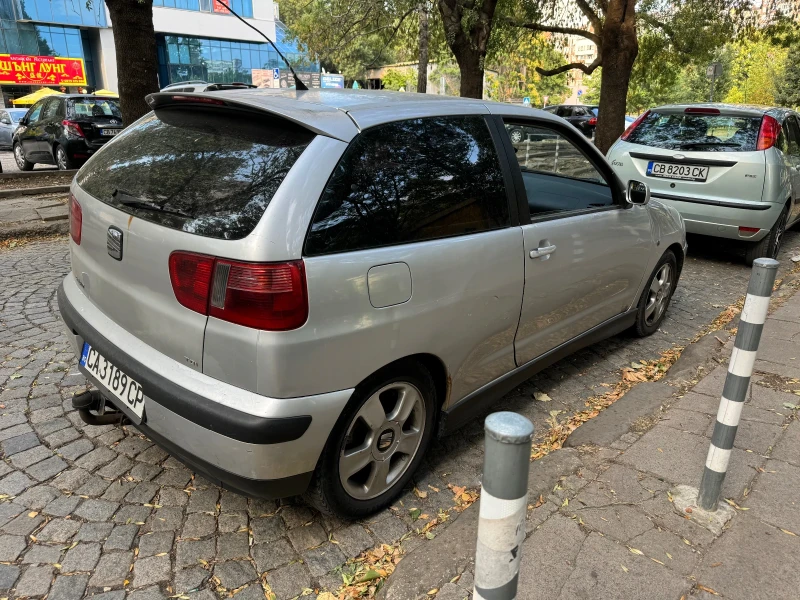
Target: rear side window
{"type": "Point", "coordinates": [410, 181]}
{"type": "Point", "coordinates": [707, 133]}
{"type": "Point", "coordinates": [211, 174]}
{"type": "Point", "coordinates": [96, 107]}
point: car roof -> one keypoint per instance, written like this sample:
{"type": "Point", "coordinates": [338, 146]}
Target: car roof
{"type": "Point", "coordinates": [343, 113]}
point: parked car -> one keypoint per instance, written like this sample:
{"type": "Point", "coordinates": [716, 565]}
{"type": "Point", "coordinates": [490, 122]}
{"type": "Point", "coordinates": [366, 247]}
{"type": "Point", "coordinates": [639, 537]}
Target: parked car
{"type": "Point", "coordinates": [731, 171]}
{"type": "Point", "coordinates": [582, 116]}
{"type": "Point", "coordinates": [65, 130]}
{"type": "Point", "coordinates": [241, 288]}
{"type": "Point", "coordinates": [204, 86]}
{"type": "Point", "coordinates": [9, 119]}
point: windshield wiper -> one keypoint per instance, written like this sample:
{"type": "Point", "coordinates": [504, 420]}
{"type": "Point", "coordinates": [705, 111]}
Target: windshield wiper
{"type": "Point", "coordinates": [128, 199]}
{"type": "Point", "coordinates": [694, 144]}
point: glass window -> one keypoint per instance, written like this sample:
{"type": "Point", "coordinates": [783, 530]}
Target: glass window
{"type": "Point", "coordinates": [36, 111]}
{"type": "Point", "coordinates": [564, 111]}
{"type": "Point", "coordinates": [558, 177]}
{"type": "Point", "coordinates": [205, 173]}
{"type": "Point", "coordinates": [74, 46]}
{"type": "Point", "coordinates": [706, 132]}
{"type": "Point", "coordinates": [51, 109]}
{"type": "Point", "coordinates": [794, 136]}
{"type": "Point", "coordinates": [94, 107]}
{"type": "Point", "coordinates": [410, 181]}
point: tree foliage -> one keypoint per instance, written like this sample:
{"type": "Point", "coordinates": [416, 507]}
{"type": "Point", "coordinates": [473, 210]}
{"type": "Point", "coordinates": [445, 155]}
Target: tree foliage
{"type": "Point", "coordinates": [788, 88]}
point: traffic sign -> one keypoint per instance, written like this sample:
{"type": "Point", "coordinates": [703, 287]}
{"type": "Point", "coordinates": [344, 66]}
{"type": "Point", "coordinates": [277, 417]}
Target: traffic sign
{"type": "Point", "coordinates": [276, 73]}
{"type": "Point", "coordinates": [526, 101]}
{"type": "Point", "coordinates": [580, 93]}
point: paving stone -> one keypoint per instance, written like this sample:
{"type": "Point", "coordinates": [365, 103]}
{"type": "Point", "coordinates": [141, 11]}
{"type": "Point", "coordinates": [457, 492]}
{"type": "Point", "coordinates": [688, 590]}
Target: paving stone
{"type": "Point", "coordinates": [290, 581]}
{"type": "Point", "coordinates": [188, 552]}
{"type": "Point", "coordinates": [324, 559]}
{"type": "Point", "coordinates": [71, 480]}
{"type": "Point", "coordinates": [234, 573]}
{"type": "Point", "coordinates": [353, 539]}
{"type": "Point", "coordinates": [231, 501]}
{"type": "Point", "coordinates": [15, 483]}
{"type": "Point", "coordinates": [74, 450]}
{"type": "Point", "coordinates": [775, 497]}
{"type": "Point", "coordinates": [64, 436]}
{"type": "Point", "coordinates": [45, 414]}
{"type": "Point", "coordinates": [8, 576]}
{"type": "Point", "coordinates": [50, 427]}
{"type": "Point", "coordinates": [24, 524]}
{"type": "Point", "coordinates": [788, 448]}
{"type": "Point", "coordinates": [112, 569]}
{"type": "Point", "coordinates": [258, 507]}
{"type": "Point", "coordinates": [267, 529]}
{"type": "Point", "coordinates": [295, 516]}
{"type": "Point", "coordinates": [40, 554]}
{"type": "Point", "coordinates": [254, 591]}
{"type": "Point", "coordinates": [110, 437]}
{"type": "Point", "coordinates": [116, 468]}
{"type": "Point", "coordinates": [153, 455]}
{"type": "Point", "coordinates": [142, 493]}
{"type": "Point", "coordinates": [11, 546]}
{"type": "Point", "coordinates": [169, 496]}
{"type": "Point", "coordinates": [233, 545]}
{"type": "Point", "coordinates": [203, 501]}
{"type": "Point", "coordinates": [93, 486]}
{"type": "Point", "coordinates": [145, 472]}
{"type": "Point", "coordinates": [35, 581]}
{"type": "Point", "coordinates": [20, 443]}
{"type": "Point", "coordinates": [271, 555]}
{"type": "Point", "coordinates": [36, 498]}
{"type": "Point", "coordinates": [151, 593]}
{"type": "Point", "coordinates": [118, 490]}
{"type": "Point", "coordinates": [94, 532]}
{"type": "Point", "coordinates": [166, 519]}
{"type": "Point", "coordinates": [198, 525]}
{"type": "Point", "coordinates": [9, 510]}
{"type": "Point", "coordinates": [150, 570]}
{"type": "Point", "coordinates": [59, 530]}
{"type": "Point", "coordinates": [233, 521]}
{"type": "Point", "coordinates": [96, 458]}
{"type": "Point", "coordinates": [5, 469]}
{"type": "Point", "coordinates": [62, 506]}
{"type": "Point", "coordinates": [151, 544]}
{"type": "Point", "coordinates": [115, 595]}
{"type": "Point", "coordinates": [190, 579]}
{"type": "Point", "coordinates": [82, 557]}
{"type": "Point", "coordinates": [178, 477]}
{"type": "Point", "coordinates": [121, 537]}
{"type": "Point", "coordinates": [68, 587]}
{"type": "Point", "coordinates": [7, 421]}
{"type": "Point", "coordinates": [47, 468]}
{"type": "Point", "coordinates": [131, 513]}
{"type": "Point", "coordinates": [389, 531]}
{"type": "Point", "coordinates": [309, 536]}
{"type": "Point", "coordinates": [132, 446]}
{"type": "Point", "coordinates": [13, 432]}
{"type": "Point", "coordinates": [30, 457]}
{"type": "Point", "coordinates": [96, 510]}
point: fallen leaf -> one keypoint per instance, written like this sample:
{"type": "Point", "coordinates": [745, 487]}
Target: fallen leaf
{"type": "Point", "coordinates": [635, 551]}
{"type": "Point", "coordinates": [420, 494]}
{"type": "Point", "coordinates": [32, 514]}
{"type": "Point", "coordinates": [789, 532]}
{"type": "Point", "coordinates": [430, 535]}
{"type": "Point", "coordinates": [716, 564]}
{"type": "Point", "coordinates": [669, 556]}
{"type": "Point", "coordinates": [656, 560]}
{"type": "Point", "coordinates": [541, 397]}
{"type": "Point", "coordinates": [57, 565]}
{"type": "Point", "coordinates": [707, 589]}
{"type": "Point", "coordinates": [565, 502]}
{"type": "Point", "coordinates": [433, 592]}
{"type": "Point", "coordinates": [624, 568]}
{"type": "Point", "coordinates": [415, 513]}
{"type": "Point", "coordinates": [688, 509]}
{"type": "Point", "coordinates": [790, 406]}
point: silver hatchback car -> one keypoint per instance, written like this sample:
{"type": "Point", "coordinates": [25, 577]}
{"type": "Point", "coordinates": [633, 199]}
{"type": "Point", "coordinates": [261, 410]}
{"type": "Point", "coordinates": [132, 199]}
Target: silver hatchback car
{"type": "Point", "coordinates": [731, 171]}
{"type": "Point", "coordinates": [294, 292]}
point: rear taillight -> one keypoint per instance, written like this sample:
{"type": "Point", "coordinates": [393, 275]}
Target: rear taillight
{"type": "Point", "coordinates": [768, 133]}
{"type": "Point", "coordinates": [633, 126]}
{"type": "Point", "coordinates": [701, 110]}
{"type": "Point", "coordinates": [593, 121]}
{"type": "Point", "coordinates": [75, 220]}
{"type": "Point", "coordinates": [198, 100]}
{"type": "Point", "coordinates": [72, 128]}
{"type": "Point", "coordinates": [267, 296]}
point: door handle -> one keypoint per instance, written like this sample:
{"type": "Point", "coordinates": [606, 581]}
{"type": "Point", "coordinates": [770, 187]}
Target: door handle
{"type": "Point", "coordinates": [543, 251]}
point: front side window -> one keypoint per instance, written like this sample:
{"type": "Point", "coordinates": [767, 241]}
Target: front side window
{"type": "Point", "coordinates": [558, 176]}
{"type": "Point", "coordinates": [411, 181]}
{"type": "Point", "coordinates": [37, 110]}
{"type": "Point", "coordinates": [51, 109]}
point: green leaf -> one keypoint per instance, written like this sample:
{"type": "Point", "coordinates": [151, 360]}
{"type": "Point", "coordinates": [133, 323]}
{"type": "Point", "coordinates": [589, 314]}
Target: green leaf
{"type": "Point", "coordinates": [430, 535]}
{"type": "Point", "coordinates": [369, 576]}
{"type": "Point", "coordinates": [415, 513]}
{"type": "Point", "coordinates": [791, 406]}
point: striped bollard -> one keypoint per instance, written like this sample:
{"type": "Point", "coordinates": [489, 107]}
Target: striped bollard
{"type": "Point", "coordinates": [740, 368]}
{"type": "Point", "coordinates": [503, 506]}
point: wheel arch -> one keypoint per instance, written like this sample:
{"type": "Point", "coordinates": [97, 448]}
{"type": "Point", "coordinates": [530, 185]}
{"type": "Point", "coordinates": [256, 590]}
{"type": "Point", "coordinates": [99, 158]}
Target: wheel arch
{"type": "Point", "coordinates": [433, 364]}
{"type": "Point", "coordinates": [677, 250]}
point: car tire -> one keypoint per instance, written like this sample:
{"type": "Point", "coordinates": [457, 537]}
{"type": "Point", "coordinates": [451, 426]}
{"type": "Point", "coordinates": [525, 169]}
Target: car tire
{"type": "Point", "coordinates": [63, 161]}
{"type": "Point", "coordinates": [770, 244]}
{"type": "Point", "coordinates": [656, 296]}
{"type": "Point", "coordinates": [363, 467]}
{"type": "Point", "coordinates": [19, 157]}
{"type": "Point", "coordinates": [517, 135]}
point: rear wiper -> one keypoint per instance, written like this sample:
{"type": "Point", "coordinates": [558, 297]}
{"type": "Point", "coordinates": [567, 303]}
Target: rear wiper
{"type": "Point", "coordinates": [128, 199]}
{"type": "Point", "coordinates": [694, 144]}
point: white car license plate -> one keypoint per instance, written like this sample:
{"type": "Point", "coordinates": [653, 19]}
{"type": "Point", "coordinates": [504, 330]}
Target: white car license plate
{"type": "Point", "coordinates": [109, 131]}
{"type": "Point", "coordinates": [673, 171]}
{"type": "Point", "coordinates": [126, 389]}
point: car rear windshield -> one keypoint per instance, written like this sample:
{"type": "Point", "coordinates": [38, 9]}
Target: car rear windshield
{"type": "Point", "coordinates": [706, 133]}
{"type": "Point", "coordinates": [96, 107]}
{"type": "Point", "coordinates": [196, 171]}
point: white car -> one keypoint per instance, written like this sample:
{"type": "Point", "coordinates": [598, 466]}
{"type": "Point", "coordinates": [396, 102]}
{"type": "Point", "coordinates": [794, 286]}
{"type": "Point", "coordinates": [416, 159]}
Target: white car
{"type": "Point", "coordinates": [731, 171]}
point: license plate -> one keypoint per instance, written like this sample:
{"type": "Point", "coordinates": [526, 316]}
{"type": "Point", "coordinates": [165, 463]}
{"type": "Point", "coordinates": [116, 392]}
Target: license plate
{"type": "Point", "coordinates": [109, 131]}
{"type": "Point", "coordinates": [673, 171]}
{"type": "Point", "coordinates": [123, 387]}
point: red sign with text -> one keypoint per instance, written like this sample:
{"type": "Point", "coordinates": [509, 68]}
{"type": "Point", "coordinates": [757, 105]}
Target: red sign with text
{"type": "Point", "coordinates": [23, 69]}
{"type": "Point", "coordinates": [221, 6]}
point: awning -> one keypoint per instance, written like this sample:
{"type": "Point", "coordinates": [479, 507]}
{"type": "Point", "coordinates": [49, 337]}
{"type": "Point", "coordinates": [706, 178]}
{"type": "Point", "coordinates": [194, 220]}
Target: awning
{"type": "Point", "coordinates": [34, 97]}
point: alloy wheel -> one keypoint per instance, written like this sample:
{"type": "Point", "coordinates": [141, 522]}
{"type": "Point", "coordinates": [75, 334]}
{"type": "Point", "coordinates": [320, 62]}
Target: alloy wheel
{"type": "Point", "coordinates": [516, 136]}
{"type": "Point", "coordinates": [781, 228]}
{"type": "Point", "coordinates": [61, 158]}
{"type": "Point", "coordinates": [382, 440]}
{"type": "Point", "coordinates": [658, 295]}
{"type": "Point", "coordinates": [19, 157]}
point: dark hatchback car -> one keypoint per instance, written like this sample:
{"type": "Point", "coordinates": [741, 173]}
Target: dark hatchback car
{"type": "Point", "coordinates": [582, 116]}
{"type": "Point", "coordinates": [65, 130]}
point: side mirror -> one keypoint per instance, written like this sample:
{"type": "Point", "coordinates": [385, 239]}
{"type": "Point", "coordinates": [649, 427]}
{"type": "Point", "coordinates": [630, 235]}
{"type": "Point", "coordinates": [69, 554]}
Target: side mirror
{"type": "Point", "coordinates": [5, 121]}
{"type": "Point", "coordinates": [638, 192]}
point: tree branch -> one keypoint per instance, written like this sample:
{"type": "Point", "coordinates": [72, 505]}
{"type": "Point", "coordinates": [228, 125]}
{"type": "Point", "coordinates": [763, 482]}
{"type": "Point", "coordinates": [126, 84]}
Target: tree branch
{"type": "Point", "coordinates": [591, 15]}
{"type": "Point", "coordinates": [564, 68]}
{"type": "Point", "coordinates": [556, 29]}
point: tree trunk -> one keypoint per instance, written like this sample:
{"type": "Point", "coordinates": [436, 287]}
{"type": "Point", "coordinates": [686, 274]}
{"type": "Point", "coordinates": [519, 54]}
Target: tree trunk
{"type": "Point", "coordinates": [422, 67]}
{"type": "Point", "coordinates": [471, 75]}
{"type": "Point", "coordinates": [619, 48]}
{"type": "Point", "coordinates": [137, 60]}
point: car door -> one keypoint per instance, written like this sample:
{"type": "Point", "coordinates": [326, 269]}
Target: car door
{"type": "Point", "coordinates": [27, 137]}
{"type": "Point", "coordinates": [585, 248]}
{"type": "Point", "coordinates": [49, 128]}
{"type": "Point", "coordinates": [791, 157]}
{"type": "Point", "coordinates": [579, 118]}
{"type": "Point", "coordinates": [6, 129]}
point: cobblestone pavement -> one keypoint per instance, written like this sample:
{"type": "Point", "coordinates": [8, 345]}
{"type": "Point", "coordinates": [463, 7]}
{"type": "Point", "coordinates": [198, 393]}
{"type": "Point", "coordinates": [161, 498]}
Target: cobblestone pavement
{"type": "Point", "coordinates": [10, 166]}
{"type": "Point", "coordinates": [101, 510]}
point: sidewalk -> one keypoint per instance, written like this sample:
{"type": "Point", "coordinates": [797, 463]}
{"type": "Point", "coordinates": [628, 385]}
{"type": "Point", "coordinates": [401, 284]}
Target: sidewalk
{"type": "Point", "coordinates": [601, 523]}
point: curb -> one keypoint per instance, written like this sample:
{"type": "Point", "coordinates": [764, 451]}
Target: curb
{"type": "Point", "coordinates": [33, 231]}
{"type": "Point", "coordinates": [34, 191]}
{"type": "Point", "coordinates": [33, 174]}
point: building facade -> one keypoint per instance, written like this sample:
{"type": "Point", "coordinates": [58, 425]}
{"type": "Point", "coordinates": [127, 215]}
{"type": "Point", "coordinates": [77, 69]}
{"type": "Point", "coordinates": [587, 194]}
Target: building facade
{"type": "Point", "coordinates": [578, 49]}
{"type": "Point", "coordinates": [62, 43]}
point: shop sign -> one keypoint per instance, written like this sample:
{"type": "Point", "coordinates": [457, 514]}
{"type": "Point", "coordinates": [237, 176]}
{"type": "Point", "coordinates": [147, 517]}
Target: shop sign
{"type": "Point", "coordinates": [23, 69]}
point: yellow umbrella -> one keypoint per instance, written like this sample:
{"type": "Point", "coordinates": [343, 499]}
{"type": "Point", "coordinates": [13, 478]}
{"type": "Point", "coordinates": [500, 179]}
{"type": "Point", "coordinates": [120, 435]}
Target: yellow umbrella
{"type": "Point", "coordinates": [105, 92]}
{"type": "Point", "coordinates": [34, 97]}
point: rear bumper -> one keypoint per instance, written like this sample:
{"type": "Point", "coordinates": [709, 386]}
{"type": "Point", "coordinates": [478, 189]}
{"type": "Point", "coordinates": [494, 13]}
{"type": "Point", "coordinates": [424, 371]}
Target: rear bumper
{"type": "Point", "coordinates": [253, 444]}
{"type": "Point", "coordinates": [722, 219]}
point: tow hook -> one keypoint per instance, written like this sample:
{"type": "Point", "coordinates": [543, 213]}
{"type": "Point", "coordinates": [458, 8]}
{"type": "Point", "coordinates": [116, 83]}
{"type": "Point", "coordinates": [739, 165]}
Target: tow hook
{"type": "Point", "coordinates": [92, 407]}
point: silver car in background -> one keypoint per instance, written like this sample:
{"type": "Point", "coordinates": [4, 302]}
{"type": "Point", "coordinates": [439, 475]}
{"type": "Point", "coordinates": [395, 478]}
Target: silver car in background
{"type": "Point", "coordinates": [9, 121]}
{"type": "Point", "coordinates": [731, 171]}
{"type": "Point", "coordinates": [294, 292]}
